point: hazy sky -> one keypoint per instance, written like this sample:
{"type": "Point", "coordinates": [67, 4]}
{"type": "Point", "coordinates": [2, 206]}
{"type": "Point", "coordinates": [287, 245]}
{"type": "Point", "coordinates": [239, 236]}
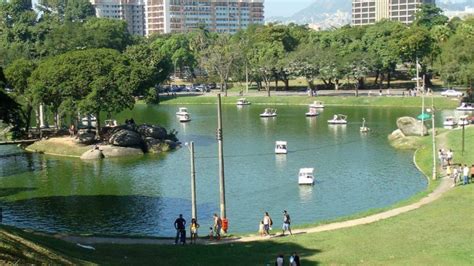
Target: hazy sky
{"type": "Point", "coordinates": [284, 7]}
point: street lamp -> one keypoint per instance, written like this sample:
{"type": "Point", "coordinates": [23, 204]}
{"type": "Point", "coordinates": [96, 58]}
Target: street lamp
{"type": "Point", "coordinates": [190, 146]}
{"type": "Point", "coordinates": [433, 135]}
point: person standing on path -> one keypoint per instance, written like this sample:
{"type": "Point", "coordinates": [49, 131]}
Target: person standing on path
{"type": "Point", "coordinates": [267, 223]}
{"type": "Point", "coordinates": [194, 230]}
{"type": "Point", "coordinates": [286, 223]}
{"type": "Point", "coordinates": [179, 225]}
{"type": "Point", "coordinates": [465, 174]}
{"type": "Point", "coordinates": [217, 226]}
{"type": "Point", "coordinates": [472, 172]}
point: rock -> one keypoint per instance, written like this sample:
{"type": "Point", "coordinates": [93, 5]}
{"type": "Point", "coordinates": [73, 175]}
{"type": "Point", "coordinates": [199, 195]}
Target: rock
{"type": "Point", "coordinates": [154, 145]}
{"type": "Point", "coordinates": [86, 138]}
{"type": "Point", "coordinates": [126, 138]}
{"type": "Point", "coordinates": [155, 132]}
{"type": "Point", "coordinates": [411, 127]}
{"type": "Point", "coordinates": [110, 151]}
{"type": "Point", "coordinates": [397, 134]}
{"type": "Point", "coordinates": [171, 144]}
{"type": "Point", "coordinates": [93, 154]}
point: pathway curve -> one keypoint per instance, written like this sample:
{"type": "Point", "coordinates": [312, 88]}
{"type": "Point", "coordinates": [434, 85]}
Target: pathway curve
{"type": "Point", "coordinates": [444, 186]}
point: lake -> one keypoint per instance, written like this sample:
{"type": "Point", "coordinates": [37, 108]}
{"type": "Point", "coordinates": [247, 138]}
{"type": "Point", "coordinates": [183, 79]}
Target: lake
{"type": "Point", "coordinates": [143, 196]}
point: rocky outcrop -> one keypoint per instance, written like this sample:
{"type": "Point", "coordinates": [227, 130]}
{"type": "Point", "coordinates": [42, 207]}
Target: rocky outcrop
{"type": "Point", "coordinates": [110, 151]}
{"type": "Point", "coordinates": [126, 138]}
{"type": "Point", "coordinates": [409, 126]}
{"type": "Point", "coordinates": [86, 138]}
{"type": "Point", "coordinates": [94, 154]}
{"type": "Point", "coordinates": [155, 132]}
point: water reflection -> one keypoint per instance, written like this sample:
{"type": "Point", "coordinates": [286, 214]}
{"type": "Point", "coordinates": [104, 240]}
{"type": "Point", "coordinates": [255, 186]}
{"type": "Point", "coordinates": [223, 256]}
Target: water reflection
{"type": "Point", "coordinates": [306, 193]}
{"type": "Point", "coordinates": [280, 161]}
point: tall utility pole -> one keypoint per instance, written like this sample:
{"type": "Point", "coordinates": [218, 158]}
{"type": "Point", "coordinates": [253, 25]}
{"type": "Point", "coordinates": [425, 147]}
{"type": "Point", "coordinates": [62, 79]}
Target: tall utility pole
{"type": "Point", "coordinates": [193, 182]}
{"type": "Point", "coordinates": [221, 157]}
{"type": "Point", "coordinates": [433, 133]}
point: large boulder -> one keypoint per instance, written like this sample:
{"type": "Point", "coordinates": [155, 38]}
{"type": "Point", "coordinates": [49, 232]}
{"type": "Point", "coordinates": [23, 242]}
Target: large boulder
{"type": "Point", "coordinates": [86, 138]}
{"type": "Point", "coordinates": [154, 145]}
{"type": "Point", "coordinates": [411, 127]}
{"type": "Point", "coordinates": [110, 151]}
{"type": "Point", "coordinates": [126, 138]}
{"type": "Point", "coordinates": [155, 132]}
{"type": "Point", "coordinates": [94, 154]}
{"type": "Point", "coordinates": [397, 134]}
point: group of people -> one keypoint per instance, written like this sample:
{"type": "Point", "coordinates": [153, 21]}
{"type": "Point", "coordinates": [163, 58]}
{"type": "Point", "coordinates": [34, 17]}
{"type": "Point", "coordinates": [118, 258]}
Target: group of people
{"type": "Point", "coordinates": [445, 157]}
{"type": "Point", "coordinates": [180, 226]}
{"type": "Point", "coordinates": [294, 260]}
{"type": "Point", "coordinates": [460, 173]}
{"type": "Point", "coordinates": [266, 224]}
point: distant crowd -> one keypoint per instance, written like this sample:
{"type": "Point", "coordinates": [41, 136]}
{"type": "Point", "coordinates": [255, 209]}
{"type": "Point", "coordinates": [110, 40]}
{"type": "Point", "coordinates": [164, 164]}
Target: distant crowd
{"type": "Point", "coordinates": [460, 173]}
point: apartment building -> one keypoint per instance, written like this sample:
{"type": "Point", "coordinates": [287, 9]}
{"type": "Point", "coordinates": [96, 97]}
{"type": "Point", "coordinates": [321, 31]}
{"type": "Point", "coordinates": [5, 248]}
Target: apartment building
{"type": "Point", "coordinates": [229, 16]}
{"type": "Point", "coordinates": [132, 11]}
{"type": "Point", "coordinates": [366, 12]}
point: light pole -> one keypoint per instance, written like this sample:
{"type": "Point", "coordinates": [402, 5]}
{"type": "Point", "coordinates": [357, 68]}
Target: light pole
{"type": "Point", "coordinates": [221, 158]}
{"type": "Point", "coordinates": [193, 180]}
{"type": "Point", "coordinates": [433, 134]}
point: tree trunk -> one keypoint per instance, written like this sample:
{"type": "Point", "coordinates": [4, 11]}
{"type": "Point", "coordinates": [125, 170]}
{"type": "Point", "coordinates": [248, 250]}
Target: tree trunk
{"type": "Point", "coordinates": [97, 126]}
{"type": "Point", "coordinates": [276, 84]}
{"type": "Point", "coordinates": [287, 84]}
{"type": "Point", "coordinates": [29, 111]}
{"type": "Point", "coordinates": [377, 72]}
{"type": "Point", "coordinates": [225, 88]}
{"type": "Point", "coordinates": [336, 84]}
{"type": "Point", "coordinates": [388, 79]}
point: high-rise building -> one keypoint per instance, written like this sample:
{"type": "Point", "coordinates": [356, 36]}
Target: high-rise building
{"type": "Point", "coordinates": [132, 11]}
{"type": "Point", "coordinates": [370, 11]}
{"type": "Point", "coordinates": [169, 16]}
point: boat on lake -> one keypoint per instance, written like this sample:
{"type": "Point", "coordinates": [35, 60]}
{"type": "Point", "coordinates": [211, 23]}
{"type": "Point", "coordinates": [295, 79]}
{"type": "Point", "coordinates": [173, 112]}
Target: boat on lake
{"type": "Point", "coordinates": [306, 176]}
{"type": "Point", "coordinates": [269, 112]}
{"type": "Point", "coordinates": [338, 119]}
{"type": "Point", "coordinates": [363, 128]}
{"type": "Point", "coordinates": [242, 102]}
{"type": "Point", "coordinates": [281, 147]}
{"type": "Point", "coordinates": [449, 122]}
{"type": "Point", "coordinates": [182, 111]}
{"type": "Point", "coordinates": [466, 107]}
{"type": "Point", "coordinates": [184, 118]}
{"type": "Point", "coordinates": [463, 120]}
{"type": "Point", "coordinates": [89, 121]}
{"type": "Point", "coordinates": [111, 123]}
{"type": "Point", "coordinates": [317, 104]}
{"type": "Point", "coordinates": [312, 112]}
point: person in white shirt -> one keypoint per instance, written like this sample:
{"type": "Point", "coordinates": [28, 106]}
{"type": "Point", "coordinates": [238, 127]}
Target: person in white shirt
{"type": "Point", "coordinates": [465, 174]}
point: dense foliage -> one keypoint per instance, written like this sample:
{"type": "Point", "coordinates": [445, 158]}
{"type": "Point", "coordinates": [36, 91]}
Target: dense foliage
{"type": "Point", "coordinates": [70, 61]}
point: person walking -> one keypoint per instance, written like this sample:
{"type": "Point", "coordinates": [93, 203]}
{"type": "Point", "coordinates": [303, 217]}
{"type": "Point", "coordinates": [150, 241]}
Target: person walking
{"type": "Point", "coordinates": [286, 223]}
{"type": "Point", "coordinates": [465, 174]}
{"type": "Point", "coordinates": [295, 260]}
{"type": "Point", "coordinates": [267, 223]}
{"type": "Point", "coordinates": [179, 225]}
{"type": "Point", "coordinates": [194, 230]}
{"type": "Point", "coordinates": [217, 226]}
{"type": "Point", "coordinates": [280, 260]}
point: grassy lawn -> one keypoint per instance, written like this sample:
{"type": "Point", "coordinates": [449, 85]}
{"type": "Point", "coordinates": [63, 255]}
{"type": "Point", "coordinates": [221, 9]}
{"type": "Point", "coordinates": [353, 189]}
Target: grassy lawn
{"type": "Point", "coordinates": [440, 233]}
{"type": "Point", "coordinates": [439, 102]}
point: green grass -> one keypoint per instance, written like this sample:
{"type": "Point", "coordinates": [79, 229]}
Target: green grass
{"type": "Point", "coordinates": [440, 233]}
{"type": "Point", "coordinates": [439, 102]}
{"type": "Point", "coordinates": [58, 149]}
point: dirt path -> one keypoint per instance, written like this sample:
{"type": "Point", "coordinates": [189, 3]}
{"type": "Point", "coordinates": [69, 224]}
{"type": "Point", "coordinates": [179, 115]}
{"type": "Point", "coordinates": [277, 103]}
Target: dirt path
{"type": "Point", "coordinates": [444, 186]}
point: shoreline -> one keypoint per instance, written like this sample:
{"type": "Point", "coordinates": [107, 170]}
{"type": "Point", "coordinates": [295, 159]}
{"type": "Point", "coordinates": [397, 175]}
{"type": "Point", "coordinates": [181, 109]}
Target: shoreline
{"type": "Point", "coordinates": [369, 216]}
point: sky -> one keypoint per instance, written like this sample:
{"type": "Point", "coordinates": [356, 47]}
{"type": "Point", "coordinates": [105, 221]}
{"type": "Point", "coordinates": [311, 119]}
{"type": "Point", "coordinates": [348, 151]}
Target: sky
{"type": "Point", "coordinates": [284, 8]}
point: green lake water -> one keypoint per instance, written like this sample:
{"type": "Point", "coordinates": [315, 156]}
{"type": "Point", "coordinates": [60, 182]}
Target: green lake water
{"type": "Point", "coordinates": [143, 196]}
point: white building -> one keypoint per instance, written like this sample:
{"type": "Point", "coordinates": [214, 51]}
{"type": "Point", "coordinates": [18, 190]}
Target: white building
{"type": "Point", "coordinates": [169, 16]}
{"type": "Point", "coordinates": [132, 11]}
{"type": "Point", "coordinates": [370, 11]}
